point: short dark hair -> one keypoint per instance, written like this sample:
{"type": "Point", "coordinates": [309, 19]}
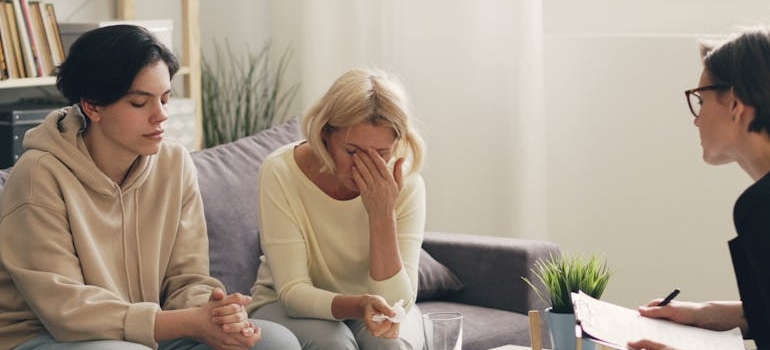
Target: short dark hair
{"type": "Point", "coordinates": [743, 62]}
{"type": "Point", "coordinates": [102, 63]}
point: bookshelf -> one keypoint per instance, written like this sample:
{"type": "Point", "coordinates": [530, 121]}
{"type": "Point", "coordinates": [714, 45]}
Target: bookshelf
{"type": "Point", "coordinates": [190, 58]}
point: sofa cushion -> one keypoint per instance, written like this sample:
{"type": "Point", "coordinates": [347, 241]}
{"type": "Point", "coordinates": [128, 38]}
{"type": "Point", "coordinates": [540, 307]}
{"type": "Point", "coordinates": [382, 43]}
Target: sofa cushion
{"type": "Point", "coordinates": [227, 176]}
{"type": "Point", "coordinates": [434, 279]}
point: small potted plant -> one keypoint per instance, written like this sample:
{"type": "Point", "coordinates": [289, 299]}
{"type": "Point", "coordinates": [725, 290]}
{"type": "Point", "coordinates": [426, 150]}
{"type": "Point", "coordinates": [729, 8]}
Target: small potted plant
{"type": "Point", "coordinates": [560, 276]}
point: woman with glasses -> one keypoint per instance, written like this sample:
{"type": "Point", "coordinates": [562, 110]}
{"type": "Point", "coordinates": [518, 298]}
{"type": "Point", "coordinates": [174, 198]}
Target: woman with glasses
{"type": "Point", "coordinates": [731, 106]}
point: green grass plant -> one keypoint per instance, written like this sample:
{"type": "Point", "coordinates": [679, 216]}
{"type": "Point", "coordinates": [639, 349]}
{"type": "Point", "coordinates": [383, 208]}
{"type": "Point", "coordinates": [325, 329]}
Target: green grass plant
{"type": "Point", "coordinates": [243, 94]}
{"type": "Point", "coordinates": [562, 276]}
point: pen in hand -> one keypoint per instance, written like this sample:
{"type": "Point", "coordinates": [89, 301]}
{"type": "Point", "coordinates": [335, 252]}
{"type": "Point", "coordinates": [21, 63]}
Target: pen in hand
{"type": "Point", "coordinates": [669, 297]}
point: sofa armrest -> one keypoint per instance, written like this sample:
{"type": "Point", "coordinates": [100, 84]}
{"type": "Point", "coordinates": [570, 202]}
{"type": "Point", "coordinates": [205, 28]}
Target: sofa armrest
{"type": "Point", "coordinates": [491, 268]}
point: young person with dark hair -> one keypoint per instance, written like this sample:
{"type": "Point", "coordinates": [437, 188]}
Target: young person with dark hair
{"type": "Point", "coordinates": [103, 240]}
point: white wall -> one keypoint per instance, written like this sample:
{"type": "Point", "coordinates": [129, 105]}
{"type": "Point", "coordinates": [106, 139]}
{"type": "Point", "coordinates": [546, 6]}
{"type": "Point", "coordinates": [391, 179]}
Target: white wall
{"type": "Point", "coordinates": [459, 63]}
{"type": "Point", "coordinates": [626, 177]}
{"type": "Point", "coordinates": [463, 73]}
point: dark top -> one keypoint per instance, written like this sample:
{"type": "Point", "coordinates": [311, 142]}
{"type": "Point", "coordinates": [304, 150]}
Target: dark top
{"type": "Point", "coordinates": [750, 253]}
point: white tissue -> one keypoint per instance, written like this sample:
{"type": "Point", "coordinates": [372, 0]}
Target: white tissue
{"type": "Point", "coordinates": [398, 308]}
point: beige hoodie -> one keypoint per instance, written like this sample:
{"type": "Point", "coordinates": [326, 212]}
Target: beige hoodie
{"type": "Point", "coordinates": [83, 259]}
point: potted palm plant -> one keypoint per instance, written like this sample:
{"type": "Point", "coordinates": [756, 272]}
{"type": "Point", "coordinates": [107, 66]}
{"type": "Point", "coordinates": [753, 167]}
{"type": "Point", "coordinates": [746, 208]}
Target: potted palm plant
{"type": "Point", "coordinates": [561, 276]}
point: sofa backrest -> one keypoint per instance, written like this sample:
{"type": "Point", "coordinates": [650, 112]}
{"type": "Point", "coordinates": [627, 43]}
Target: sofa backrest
{"type": "Point", "coordinates": [227, 176]}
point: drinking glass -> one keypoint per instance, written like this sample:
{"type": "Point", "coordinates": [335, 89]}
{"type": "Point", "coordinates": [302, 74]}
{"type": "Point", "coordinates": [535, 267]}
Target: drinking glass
{"type": "Point", "coordinates": [443, 330]}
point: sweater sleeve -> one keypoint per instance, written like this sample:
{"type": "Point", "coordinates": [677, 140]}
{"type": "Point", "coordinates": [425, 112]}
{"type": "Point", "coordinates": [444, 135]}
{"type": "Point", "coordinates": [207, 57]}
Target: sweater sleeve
{"type": "Point", "coordinates": [410, 226]}
{"type": "Point", "coordinates": [37, 250]}
{"type": "Point", "coordinates": [187, 282]}
{"type": "Point", "coordinates": [280, 237]}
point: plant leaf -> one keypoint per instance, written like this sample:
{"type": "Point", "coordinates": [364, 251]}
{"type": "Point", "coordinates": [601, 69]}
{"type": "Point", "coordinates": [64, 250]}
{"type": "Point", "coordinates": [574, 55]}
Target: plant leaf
{"type": "Point", "coordinates": [563, 275]}
{"type": "Point", "coordinates": [242, 94]}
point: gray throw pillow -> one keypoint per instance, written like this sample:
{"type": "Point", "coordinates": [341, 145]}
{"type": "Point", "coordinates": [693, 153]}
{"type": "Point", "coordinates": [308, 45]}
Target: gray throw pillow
{"type": "Point", "coordinates": [434, 279]}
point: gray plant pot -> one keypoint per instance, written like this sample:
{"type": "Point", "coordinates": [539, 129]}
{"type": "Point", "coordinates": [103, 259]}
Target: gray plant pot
{"type": "Point", "coordinates": [562, 331]}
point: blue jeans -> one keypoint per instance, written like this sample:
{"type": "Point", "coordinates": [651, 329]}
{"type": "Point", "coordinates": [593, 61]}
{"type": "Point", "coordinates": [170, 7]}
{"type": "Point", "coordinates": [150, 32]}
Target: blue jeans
{"type": "Point", "coordinates": [274, 337]}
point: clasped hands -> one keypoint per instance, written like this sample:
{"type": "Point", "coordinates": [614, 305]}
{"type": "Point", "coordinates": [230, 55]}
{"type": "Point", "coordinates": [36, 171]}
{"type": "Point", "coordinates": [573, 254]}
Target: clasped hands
{"type": "Point", "coordinates": [230, 328]}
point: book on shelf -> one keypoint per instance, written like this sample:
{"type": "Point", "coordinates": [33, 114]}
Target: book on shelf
{"type": "Point", "coordinates": [6, 41]}
{"type": "Point", "coordinates": [33, 47]}
{"type": "Point", "coordinates": [44, 51]}
{"type": "Point", "coordinates": [3, 64]}
{"type": "Point", "coordinates": [54, 23]}
{"type": "Point", "coordinates": [50, 34]}
{"type": "Point", "coordinates": [30, 68]}
{"type": "Point", "coordinates": [34, 39]}
{"type": "Point", "coordinates": [12, 28]}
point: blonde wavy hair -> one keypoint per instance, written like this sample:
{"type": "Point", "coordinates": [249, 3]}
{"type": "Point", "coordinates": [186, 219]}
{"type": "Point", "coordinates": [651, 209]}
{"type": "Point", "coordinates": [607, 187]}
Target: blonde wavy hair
{"type": "Point", "coordinates": [364, 96]}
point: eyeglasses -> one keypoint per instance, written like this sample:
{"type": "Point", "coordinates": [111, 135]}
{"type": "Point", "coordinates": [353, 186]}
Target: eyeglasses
{"type": "Point", "coordinates": [694, 99]}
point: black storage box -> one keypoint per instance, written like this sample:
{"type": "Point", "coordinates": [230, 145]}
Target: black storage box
{"type": "Point", "coordinates": [15, 120]}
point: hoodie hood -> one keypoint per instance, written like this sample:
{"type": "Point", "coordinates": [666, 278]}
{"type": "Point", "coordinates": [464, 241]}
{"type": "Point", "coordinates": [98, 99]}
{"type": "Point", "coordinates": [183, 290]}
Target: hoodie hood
{"type": "Point", "coordinates": [60, 135]}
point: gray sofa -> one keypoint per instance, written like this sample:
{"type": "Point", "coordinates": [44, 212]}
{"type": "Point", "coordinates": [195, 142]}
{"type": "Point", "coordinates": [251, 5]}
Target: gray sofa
{"type": "Point", "coordinates": [479, 276]}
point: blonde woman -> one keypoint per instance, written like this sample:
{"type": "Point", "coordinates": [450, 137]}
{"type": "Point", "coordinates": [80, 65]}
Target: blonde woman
{"type": "Point", "coordinates": [343, 215]}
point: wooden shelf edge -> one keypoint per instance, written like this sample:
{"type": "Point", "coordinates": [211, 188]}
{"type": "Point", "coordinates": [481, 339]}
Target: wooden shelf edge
{"type": "Point", "coordinates": [27, 82]}
{"type": "Point", "coordinates": [50, 81]}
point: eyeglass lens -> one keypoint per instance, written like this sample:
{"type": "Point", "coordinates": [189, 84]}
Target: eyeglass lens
{"type": "Point", "coordinates": [695, 102]}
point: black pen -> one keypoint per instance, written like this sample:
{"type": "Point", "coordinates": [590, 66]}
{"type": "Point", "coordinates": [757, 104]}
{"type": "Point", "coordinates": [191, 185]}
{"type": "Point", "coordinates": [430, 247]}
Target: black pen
{"type": "Point", "coordinates": [669, 297]}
